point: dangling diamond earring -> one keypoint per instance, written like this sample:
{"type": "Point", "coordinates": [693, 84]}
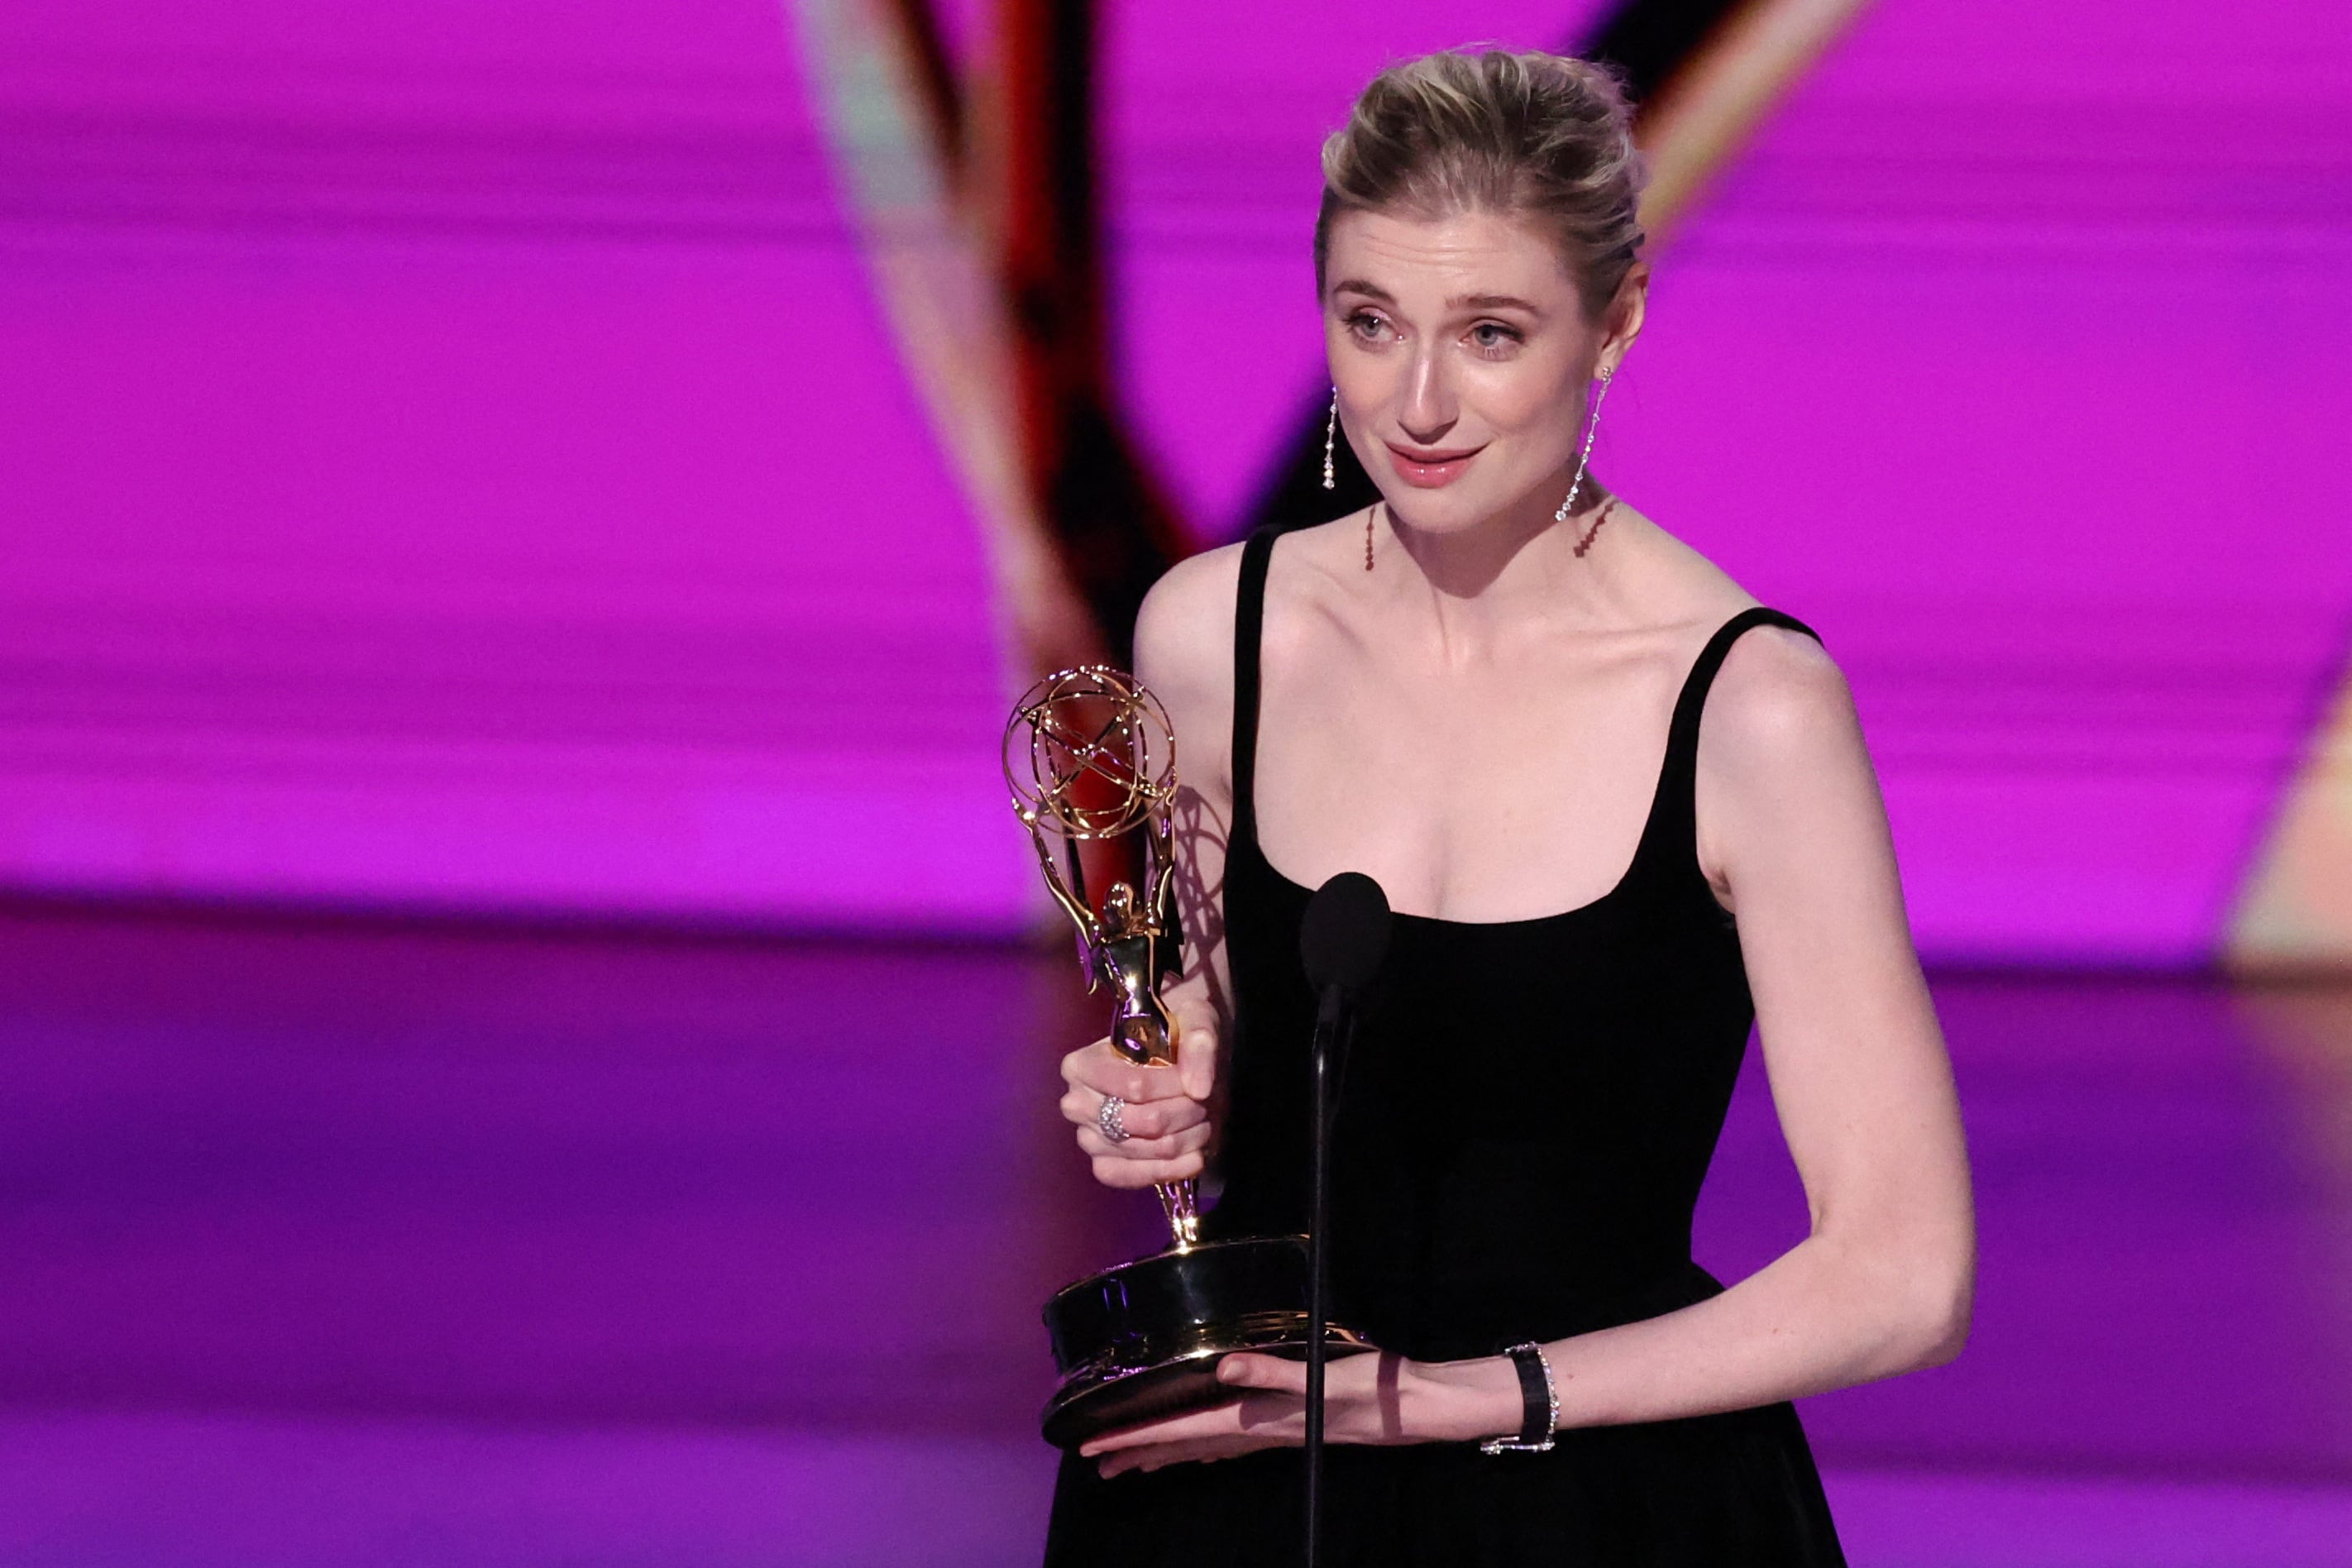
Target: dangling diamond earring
{"type": "Point", "coordinates": [1591, 429]}
{"type": "Point", "coordinates": [1330, 434]}
{"type": "Point", "coordinates": [1330, 482]}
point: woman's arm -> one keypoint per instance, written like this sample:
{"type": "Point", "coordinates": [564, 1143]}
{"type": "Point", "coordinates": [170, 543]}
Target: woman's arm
{"type": "Point", "coordinates": [1184, 655]}
{"type": "Point", "coordinates": [1793, 830]}
{"type": "Point", "coordinates": [1793, 827]}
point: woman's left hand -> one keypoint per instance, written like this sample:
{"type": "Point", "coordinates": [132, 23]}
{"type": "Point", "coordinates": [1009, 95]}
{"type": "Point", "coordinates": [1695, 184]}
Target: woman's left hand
{"type": "Point", "coordinates": [1379, 1398]}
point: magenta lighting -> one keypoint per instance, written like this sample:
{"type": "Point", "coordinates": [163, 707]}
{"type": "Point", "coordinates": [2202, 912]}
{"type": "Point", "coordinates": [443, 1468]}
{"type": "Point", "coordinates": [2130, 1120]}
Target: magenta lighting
{"type": "Point", "coordinates": [457, 459]}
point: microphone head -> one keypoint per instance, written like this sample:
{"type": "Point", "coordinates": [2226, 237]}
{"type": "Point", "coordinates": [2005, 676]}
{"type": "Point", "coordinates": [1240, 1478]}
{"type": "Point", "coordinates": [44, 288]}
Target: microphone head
{"type": "Point", "coordinates": [1345, 934]}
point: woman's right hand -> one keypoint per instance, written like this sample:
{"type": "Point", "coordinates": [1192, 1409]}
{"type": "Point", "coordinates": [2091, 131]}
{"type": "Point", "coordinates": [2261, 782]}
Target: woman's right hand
{"type": "Point", "coordinates": [1165, 1111]}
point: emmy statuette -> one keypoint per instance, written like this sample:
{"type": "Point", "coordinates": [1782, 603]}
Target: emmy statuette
{"type": "Point", "coordinates": [1088, 755]}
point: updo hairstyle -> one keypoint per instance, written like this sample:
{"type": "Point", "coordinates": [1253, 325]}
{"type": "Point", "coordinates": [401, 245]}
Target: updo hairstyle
{"type": "Point", "coordinates": [1543, 138]}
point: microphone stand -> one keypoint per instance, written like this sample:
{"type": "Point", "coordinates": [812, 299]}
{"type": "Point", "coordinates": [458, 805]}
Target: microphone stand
{"type": "Point", "coordinates": [1332, 1027]}
{"type": "Point", "coordinates": [1341, 941]}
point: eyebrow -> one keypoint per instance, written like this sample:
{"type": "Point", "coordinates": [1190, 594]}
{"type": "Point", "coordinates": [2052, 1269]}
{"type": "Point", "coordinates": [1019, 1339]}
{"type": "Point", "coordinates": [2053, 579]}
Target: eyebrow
{"type": "Point", "coordinates": [1492, 302]}
{"type": "Point", "coordinates": [1458, 302]}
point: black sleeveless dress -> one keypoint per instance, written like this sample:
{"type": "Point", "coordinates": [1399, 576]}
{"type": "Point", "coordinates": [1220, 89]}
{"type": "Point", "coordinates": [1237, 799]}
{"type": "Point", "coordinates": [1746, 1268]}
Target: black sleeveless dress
{"type": "Point", "coordinates": [1525, 1118]}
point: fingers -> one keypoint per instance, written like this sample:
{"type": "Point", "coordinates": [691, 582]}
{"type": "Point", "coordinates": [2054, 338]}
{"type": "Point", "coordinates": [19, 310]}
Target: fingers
{"type": "Point", "coordinates": [1151, 1119]}
{"type": "Point", "coordinates": [1167, 1124]}
{"type": "Point", "coordinates": [1196, 1060]}
{"type": "Point", "coordinates": [1205, 1450]}
{"type": "Point", "coordinates": [1211, 1423]}
{"type": "Point", "coordinates": [1175, 1146]}
{"type": "Point", "coordinates": [1217, 1432]}
{"type": "Point", "coordinates": [1105, 1071]}
{"type": "Point", "coordinates": [1114, 1170]}
{"type": "Point", "coordinates": [1271, 1413]}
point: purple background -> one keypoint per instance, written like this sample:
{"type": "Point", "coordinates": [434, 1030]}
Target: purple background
{"type": "Point", "coordinates": [453, 460]}
{"type": "Point", "coordinates": [454, 457]}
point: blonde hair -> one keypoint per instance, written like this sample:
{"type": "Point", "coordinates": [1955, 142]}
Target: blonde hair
{"type": "Point", "coordinates": [1539, 137]}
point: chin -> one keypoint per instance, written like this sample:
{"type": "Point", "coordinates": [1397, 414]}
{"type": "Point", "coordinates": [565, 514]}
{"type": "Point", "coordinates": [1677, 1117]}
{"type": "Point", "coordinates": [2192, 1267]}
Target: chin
{"type": "Point", "coordinates": [1456, 508]}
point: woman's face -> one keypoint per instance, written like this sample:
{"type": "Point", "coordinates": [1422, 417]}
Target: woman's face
{"type": "Point", "coordinates": [1461, 354]}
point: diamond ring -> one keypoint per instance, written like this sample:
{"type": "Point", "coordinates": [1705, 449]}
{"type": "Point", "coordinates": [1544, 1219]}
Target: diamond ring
{"type": "Point", "coordinates": [1108, 1122]}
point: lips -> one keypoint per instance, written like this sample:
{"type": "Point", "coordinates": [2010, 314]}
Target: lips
{"type": "Point", "coordinates": [1430, 467]}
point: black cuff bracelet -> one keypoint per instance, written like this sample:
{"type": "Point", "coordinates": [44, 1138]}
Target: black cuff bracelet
{"type": "Point", "coordinates": [1542, 1405]}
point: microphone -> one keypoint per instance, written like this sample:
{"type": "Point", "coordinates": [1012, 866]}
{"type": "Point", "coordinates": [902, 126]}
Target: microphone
{"type": "Point", "coordinates": [1341, 941]}
{"type": "Point", "coordinates": [1343, 938]}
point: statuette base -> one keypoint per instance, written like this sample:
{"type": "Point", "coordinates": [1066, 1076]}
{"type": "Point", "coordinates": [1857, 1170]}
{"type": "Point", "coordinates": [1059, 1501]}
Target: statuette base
{"type": "Point", "coordinates": [1143, 1339]}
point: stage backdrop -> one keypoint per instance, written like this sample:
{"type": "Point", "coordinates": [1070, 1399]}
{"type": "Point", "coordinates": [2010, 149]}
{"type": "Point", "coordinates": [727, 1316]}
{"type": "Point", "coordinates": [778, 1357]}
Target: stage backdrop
{"type": "Point", "coordinates": [456, 462]}
{"type": "Point", "coordinates": [455, 458]}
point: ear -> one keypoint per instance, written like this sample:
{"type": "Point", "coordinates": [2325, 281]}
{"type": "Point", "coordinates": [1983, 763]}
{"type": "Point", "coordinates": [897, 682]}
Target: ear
{"type": "Point", "coordinates": [1623, 318]}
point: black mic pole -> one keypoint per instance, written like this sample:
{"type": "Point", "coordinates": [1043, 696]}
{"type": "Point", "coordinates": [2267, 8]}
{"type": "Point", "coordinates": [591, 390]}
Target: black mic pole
{"type": "Point", "coordinates": [1341, 941]}
{"type": "Point", "coordinates": [1330, 1019]}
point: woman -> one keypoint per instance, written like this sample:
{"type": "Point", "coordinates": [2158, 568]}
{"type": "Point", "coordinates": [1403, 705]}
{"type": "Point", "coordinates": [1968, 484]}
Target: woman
{"type": "Point", "coordinates": [1488, 691]}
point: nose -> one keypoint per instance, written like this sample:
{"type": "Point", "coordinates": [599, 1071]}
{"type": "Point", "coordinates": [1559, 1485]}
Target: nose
{"type": "Point", "coordinates": [1429, 409]}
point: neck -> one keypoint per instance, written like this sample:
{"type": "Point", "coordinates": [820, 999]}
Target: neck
{"type": "Point", "coordinates": [1479, 579]}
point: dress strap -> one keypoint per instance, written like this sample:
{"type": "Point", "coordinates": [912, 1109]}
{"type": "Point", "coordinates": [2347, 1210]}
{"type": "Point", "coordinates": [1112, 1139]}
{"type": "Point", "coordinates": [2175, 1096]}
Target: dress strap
{"type": "Point", "coordinates": [1249, 624]}
{"type": "Point", "coordinates": [1674, 814]}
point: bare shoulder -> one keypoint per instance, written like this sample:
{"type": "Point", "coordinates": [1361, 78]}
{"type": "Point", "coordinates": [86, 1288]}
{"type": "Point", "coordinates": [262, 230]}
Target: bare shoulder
{"type": "Point", "coordinates": [1780, 699]}
{"type": "Point", "coordinates": [1184, 630]}
{"type": "Point", "coordinates": [1779, 702]}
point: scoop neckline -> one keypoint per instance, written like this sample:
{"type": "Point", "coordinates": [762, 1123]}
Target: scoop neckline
{"type": "Point", "coordinates": [1556, 916]}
